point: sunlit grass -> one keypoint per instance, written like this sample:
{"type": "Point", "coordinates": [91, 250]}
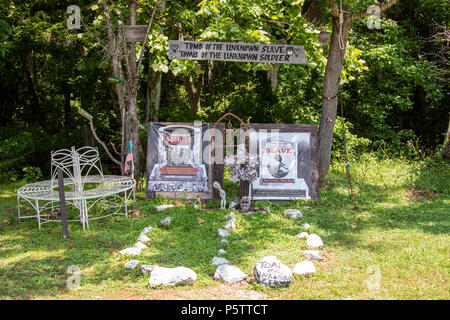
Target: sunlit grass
{"type": "Point", "coordinates": [403, 234]}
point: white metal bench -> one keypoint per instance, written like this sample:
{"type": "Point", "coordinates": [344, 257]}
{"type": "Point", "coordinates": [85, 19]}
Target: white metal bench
{"type": "Point", "coordinates": [78, 166]}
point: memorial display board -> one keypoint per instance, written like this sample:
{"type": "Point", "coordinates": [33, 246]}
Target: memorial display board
{"type": "Point", "coordinates": [288, 162]}
{"type": "Point", "coordinates": [175, 166]}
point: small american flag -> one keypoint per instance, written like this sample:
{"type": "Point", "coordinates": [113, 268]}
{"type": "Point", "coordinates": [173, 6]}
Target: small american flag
{"type": "Point", "coordinates": [129, 164]}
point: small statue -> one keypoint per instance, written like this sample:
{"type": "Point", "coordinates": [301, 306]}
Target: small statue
{"type": "Point", "coordinates": [198, 203]}
{"type": "Point", "coordinates": [245, 203]}
{"type": "Point", "coordinates": [233, 203]}
{"type": "Point", "coordinates": [222, 193]}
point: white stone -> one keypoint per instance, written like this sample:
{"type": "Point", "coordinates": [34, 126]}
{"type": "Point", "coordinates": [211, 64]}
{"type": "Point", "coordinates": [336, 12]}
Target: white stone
{"type": "Point", "coordinates": [164, 207]}
{"type": "Point", "coordinates": [172, 276]}
{"type": "Point", "coordinates": [131, 251]}
{"type": "Point", "coordinates": [303, 235]}
{"type": "Point", "coordinates": [231, 216]}
{"type": "Point", "coordinates": [304, 267]}
{"type": "Point", "coordinates": [224, 241]}
{"type": "Point", "coordinates": [293, 213]}
{"type": "Point", "coordinates": [221, 251]}
{"type": "Point", "coordinates": [143, 238]}
{"type": "Point", "coordinates": [147, 230]}
{"type": "Point", "coordinates": [229, 273]}
{"type": "Point", "coordinates": [140, 245]}
{"type": "Point", "coordinates": [218, 261]}
{"type": "Point", "coordinates": [223, 233]}
{"type": "Point", "coordinates": [166, 221]}
{"type": "Point", "coordinates": [147, 268]}
{"type": "Point", "coordinates": [307, 207]}
{"type": "Point", "coordinates": [314, 241]}
{"type": "Point", "coordinates": [131, 264]}
{"type": "Point", "coordinates": [312, 254]}
{"type": "Point", "coordinates": [269, 271]}
{"type": "Point", "coordinates": [306, 226]}
{"type": "Point", "coordinates": [230, 226]}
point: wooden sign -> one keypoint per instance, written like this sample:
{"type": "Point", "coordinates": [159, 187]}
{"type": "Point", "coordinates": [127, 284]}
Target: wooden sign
{"type": "Point", "coordinates": [135, 33]}
{"type": "Point", "coordinates": [243, 52]}
{"type": "Point", "coordinates": [288, 165]}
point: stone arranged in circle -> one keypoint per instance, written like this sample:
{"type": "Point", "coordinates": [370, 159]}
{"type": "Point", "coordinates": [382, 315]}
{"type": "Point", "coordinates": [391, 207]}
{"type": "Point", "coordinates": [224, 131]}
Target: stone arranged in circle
{"type": "Point", "coordinates": [304, 268]}
{"type": "Point", "coordinates": [147, 230]}
{"type": "Point", "coordinates": [306, 226]}
{"type": "Point", "coordinates": [218, 261]}
{"type": "Point", "coordinates": [143, 238]}
{"type": "Point", "coordinates": [140, 245]}
{"type": "Point", "coordinates": [166, 221]}
{"type": "Point", "coordinates": [164, 207]}
{"type": "Point", "coordinates": [314, 241]}
{"type": "Point", "coordinates": [147, 268]}
{"type": "Point", "coordinates": [269, 271]}
{"type": "Point", "coordinates": [313, 255]}
{"type": "Point", "coordinates": [230, 226]}
{"type": "Point", "coordinates": [223, 233]}
{"type": "Point", "coordinates": [131, 264]}
{"type": "Point", "coordinates": [172, 276]}
{"type": "Point", "coordinates": [231, 216]}
{"type": "Point", "coordinates": [303, 235]}
{"type": "Point", "coordinates": [221, 251]}
{"type": "Point", "coordinates": [224, 241]}
{"type": "Point", "coordinates": [229, 273]}
{"type": "Point", "coordinates": [293, 213]}
{"type": "Point", "coordinates": [131, 251]}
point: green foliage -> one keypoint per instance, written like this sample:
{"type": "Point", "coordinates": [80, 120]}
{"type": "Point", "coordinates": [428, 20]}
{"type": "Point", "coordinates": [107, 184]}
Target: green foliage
{"type": "Point", "coordinates": [32, 174]}
{"type": "Point", "coordinates": [394, 93]}
{"type": "Point", "coordinates": [346, 142]}
{"type": "Point", "coordinates": [15, 151]}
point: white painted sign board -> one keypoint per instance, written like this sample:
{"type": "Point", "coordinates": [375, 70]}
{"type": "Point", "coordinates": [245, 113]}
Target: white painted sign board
{"type": "Point", "coordinates": [242, 52]}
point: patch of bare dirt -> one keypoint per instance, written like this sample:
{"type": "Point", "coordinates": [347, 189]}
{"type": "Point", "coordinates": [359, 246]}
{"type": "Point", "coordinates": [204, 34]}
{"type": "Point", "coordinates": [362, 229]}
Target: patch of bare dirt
{"type": "Point", "coordinates": [421, 194]}
{"type": "Point", "coordinates": [327, 262]}
{"type": "Point", "coordinates": [235, 291]}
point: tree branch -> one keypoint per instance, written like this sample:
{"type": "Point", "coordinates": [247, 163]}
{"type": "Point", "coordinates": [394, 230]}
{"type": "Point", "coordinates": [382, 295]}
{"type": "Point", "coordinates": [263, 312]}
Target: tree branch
{"type": "Point", "coordinates": [384, 6]}
{"type": "Point", "coordinates": [91, 124]}
{"type": "Point", "coordinates": [141, 54]}
{"type": "Point", "coordinates": [115, 150]}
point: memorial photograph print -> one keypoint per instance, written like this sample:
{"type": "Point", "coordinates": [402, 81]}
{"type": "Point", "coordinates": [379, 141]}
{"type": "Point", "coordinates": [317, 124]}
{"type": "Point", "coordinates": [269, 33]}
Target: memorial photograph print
{"type": "Point", "coordinates": [287, 162]}
{"type": "Point", "coordinates": [174, 163]}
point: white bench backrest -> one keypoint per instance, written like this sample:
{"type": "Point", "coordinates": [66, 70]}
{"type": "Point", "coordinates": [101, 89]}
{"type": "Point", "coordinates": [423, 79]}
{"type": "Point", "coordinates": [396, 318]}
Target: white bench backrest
{"type": "Point", "coordinates": [76, 165]}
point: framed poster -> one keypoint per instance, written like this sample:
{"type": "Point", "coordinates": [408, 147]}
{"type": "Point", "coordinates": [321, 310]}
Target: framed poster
{"type": "Point", "coordinates": [175, 166]}
{"type": "Point", "coordinates": [288, 162]}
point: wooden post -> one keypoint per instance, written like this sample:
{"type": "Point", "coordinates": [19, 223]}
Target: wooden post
{"type": "Point", "coordinates": [62, 201]}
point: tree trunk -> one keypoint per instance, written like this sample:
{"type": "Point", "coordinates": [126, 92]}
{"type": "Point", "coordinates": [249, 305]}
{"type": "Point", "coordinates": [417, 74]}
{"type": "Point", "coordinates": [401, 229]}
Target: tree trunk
{"type": "Point", "coordinates": [446, 144]}
{"type": "Point", "coordinates": [194, 91]}
{"type": "Point", "coordinates": [36, 115]}
{"type": "Point", "coordinates": [132, 123]}
{"type": "Point", "coordinates": [131, 127]}
{"type": "Point", "coordinates": [330, 93]}
{"type": "Point", "coordinates": [272, 76]}
{"type": "Point", "coordinates": [153, 95]}
{"type": "Point", "coordinates": [67, 107]}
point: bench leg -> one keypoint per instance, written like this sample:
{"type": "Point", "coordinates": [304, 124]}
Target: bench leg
{"type": "Point", "coordinates": [125, 203]}
{"type": "Point", "coordinates": [18, 207]}
{"type": "Point", "coordinates": [83, 214]}
{"type": "Point", "coordinates": [38, 214]}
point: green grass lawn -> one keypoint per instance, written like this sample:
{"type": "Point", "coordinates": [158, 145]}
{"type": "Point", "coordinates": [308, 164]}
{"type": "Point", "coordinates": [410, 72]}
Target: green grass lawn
{"type": "Point", "coordinates": [402, 230]}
